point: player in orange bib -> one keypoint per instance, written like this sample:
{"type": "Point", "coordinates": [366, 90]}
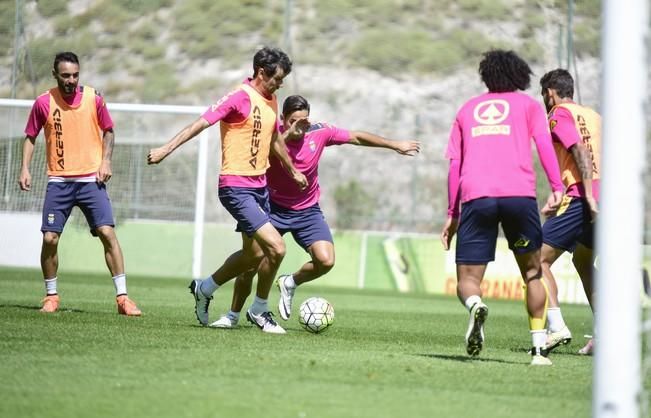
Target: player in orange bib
{"type": "Point", "coordinates": [576, 132]}
{"type": "Point", "coordinates": [248, 118]}
{"type": "Point", "coordinates": [79, 144]}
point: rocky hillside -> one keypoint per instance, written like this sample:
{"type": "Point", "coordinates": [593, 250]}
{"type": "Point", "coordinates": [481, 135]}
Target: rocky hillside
{"type": "Point", "coordinates": [399, 68]}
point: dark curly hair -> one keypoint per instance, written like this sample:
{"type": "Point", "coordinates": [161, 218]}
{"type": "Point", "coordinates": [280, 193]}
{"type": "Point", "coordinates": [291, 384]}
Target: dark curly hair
{"type": "Point", "coordinates": [504, 71]}
{"type": "Point", "coordinates": [560, 80]}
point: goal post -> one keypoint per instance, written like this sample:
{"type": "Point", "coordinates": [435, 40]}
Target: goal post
{"type": "Point", "coordinates": [617, 388]}
{"type": "Point", "coordinates": [200, 205]}
{"type": "Point", "coordinates": [183, 180]}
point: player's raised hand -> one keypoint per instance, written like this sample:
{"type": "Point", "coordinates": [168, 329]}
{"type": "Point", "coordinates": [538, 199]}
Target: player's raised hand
{"type": "Point", "coordinates": [298, 128]}
{"type": "Point", "coordinates": [449, 230]}
{"type": "Point", "coordinates": [156, 155]}
{"type": "Point", "coordinates": [410, 148]}
{"type": "Point", "coordinates": [25, 180]}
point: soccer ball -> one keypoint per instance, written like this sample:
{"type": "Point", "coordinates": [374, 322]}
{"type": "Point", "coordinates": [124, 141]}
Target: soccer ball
{"type": "Point", "coordinates": [316, 314]}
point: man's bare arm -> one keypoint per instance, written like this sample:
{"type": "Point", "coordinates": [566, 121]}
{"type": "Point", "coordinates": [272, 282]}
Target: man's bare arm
{"type": "Point", "coordinates": [25, 180]}
{"type": "Point", "coordinates": [156, 155]}
{"type": "Point", "coordinates": [105, 171]}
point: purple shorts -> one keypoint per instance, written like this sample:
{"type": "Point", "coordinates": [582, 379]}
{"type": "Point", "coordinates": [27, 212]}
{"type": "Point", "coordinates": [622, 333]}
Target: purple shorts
{"type": "Point", "coordinates": [91, 198]}
{"type": "Point", "coordinates": [249, 206]}
{"type": "Point", "coordinates": [477, 234]}
{"type": "Point", "coordinates": [306, 225]}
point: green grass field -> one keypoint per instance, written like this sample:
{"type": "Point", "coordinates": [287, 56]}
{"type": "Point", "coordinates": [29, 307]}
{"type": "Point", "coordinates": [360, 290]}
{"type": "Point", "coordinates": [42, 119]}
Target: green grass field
{"type": "Point", "coordinates": [387, 355]}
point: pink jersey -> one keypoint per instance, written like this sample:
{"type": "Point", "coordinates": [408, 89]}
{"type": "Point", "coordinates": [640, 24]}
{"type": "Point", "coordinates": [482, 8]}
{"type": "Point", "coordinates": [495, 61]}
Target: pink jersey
{"type": "Point", "coordinates": [41, 110]}
{"type": "Point", "coordinates": [305, 155]}
{"type": "Point", "coordinates": [234, 108]}
{"type": "Point", "coordinates": [490, 146]}
{"type": "Point", "coordinates": [564, 132]}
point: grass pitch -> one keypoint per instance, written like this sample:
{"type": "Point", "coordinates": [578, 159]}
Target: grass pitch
{"type": "Point", "coordinates": [387, 355]}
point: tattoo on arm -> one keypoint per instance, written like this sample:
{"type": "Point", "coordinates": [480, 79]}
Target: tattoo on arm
{"type": "Point", "coordinates": [107, 144]}
{"type": "Point", "coordinates": [583, 161]}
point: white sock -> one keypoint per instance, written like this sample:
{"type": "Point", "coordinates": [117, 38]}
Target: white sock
{"type": "Point", "coordinates": [234, 316]}
{"type": "Point", "coordinates": [471, 301]}
{"type": "Point", "coordinates": [539, 338]}
{"type": "Point", "coordinates": [51, 286]}
{"type": "Point", "coordinates": [259, 306]}
{"type": "Point", "coordinates": [555, 319]}
{"type": "Point", "coordinates": [120, 283]}
{"type": "Point", "coordinates": [289, 281]}
{"type": "Point", "coordinates": [208, 286]}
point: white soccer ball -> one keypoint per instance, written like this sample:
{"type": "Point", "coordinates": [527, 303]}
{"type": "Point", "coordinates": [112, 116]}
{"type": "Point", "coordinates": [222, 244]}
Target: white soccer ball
{"type": "Point", "coordinates": [316, 314]}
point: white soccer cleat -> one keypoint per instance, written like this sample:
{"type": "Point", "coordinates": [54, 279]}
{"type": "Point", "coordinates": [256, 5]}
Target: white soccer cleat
{"type": "Point", "coordinates": [201, 302]}
{"type": "Point", "coordinates": [265, 322]}
{"type": "Point", "coordinates": [554, 339]}
{"type": "Point", "coordinates": [475, 332]}
{"type": "Point", "coordinates": [540, 360]}
{"type": "Point", "coordinates": [225, 322]}
{"type": "Point", "coordinates": [539, 357]}
{"type": "Point", "coordinates": [286, 295]}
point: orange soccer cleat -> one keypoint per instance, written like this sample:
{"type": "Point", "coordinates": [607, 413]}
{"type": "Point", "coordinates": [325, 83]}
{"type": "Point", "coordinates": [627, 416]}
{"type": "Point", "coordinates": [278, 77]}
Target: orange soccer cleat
{"type": "Point", "coordinates": [50, 303]}
{"type": "Point", "coordinates": [127, 307]}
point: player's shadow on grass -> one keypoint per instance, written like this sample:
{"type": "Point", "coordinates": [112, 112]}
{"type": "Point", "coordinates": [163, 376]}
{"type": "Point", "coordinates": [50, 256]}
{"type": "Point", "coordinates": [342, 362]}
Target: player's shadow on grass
{"type": "Point", "coordinates": [467, 359]}
{"type": "Point", "coordinates": [560, 351]}
{"type": "Point", "coordinates": [36, 308]}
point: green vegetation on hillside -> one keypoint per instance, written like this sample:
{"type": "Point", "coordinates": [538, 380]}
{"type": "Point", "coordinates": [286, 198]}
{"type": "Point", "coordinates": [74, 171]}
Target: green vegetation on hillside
{"type": "Point", "coordinates": [7, 16]}
{"type": "Point", "coordinates": [393, 37]}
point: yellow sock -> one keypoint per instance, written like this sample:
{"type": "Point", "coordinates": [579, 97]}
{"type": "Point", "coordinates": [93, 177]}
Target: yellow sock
{"type": "Point", "coordinates": [536, 324]}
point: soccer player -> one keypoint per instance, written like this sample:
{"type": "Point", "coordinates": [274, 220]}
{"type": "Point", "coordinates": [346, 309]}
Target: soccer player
{"type": "Point", "coordinates": [249, 130]}
{"type": "Point", "coordinates": [297, 211]}
{"type": "Point", "coordinates": [491, 177]}
{"type": "Point", "coordinates": [576, 133]}
{"type": "Point", "coordinates": [79, 142]}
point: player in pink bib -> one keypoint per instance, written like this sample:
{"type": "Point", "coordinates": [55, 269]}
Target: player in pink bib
{"type": "Point", "coordinates": [297, 210]}
{"type": "Point", "coordinates": [492, 181]}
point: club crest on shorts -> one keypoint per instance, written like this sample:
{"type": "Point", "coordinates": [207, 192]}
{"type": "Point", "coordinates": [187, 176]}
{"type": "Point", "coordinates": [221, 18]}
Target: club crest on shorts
{"type": "Point", "coordinates": [50, 218]}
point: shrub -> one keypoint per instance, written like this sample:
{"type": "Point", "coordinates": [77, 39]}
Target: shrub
{"type": "Point", "coordinates": [52, 8]}
{"type": "Point", "coordinates": [160, 84]}
{"type": "Point", "coordinates": [149, 50]}
{"type": "Point", "coordinates": [7, 16]}
{"type": "Point", "coordinates": [398, 51]}
{"type": "Point", "coordinates": [142, 7]}
{"type": "Point", "coordinates": [484, 10]}
{"type": "Point", "coordinates": [532, 51]}
{"type": "Point", "coordinates": [211, 27]}
{"type": "Point", "coordinates": [587, 39]}
{"type": "Point", "coordinates": [42, 51]}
